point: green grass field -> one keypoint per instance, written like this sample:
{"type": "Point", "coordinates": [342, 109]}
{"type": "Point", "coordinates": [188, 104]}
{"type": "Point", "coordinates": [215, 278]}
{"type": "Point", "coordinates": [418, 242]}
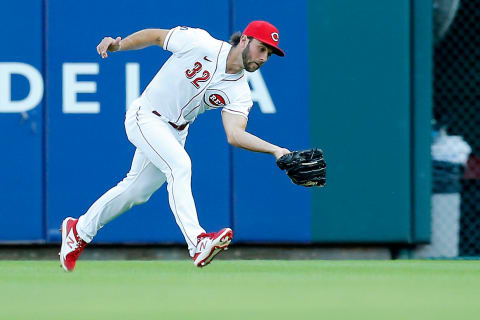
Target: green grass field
{"type": "Point", "coordinates": [254, 289]}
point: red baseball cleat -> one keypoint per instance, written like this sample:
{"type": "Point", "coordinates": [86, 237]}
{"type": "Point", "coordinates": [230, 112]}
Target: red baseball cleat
{"type": "Point", "coordinates": [72, 244]}
{"type": "Point", "coordinates": [211, 244]}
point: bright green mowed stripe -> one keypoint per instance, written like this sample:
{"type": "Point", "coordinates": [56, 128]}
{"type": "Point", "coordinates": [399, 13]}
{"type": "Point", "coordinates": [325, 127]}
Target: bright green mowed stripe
{"type": "Point", "coordinates": [241, 290]}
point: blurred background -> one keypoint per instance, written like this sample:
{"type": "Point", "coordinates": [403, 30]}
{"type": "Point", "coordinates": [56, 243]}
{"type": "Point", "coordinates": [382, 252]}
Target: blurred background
{"type": "Point", "coordinates": [388, 89]}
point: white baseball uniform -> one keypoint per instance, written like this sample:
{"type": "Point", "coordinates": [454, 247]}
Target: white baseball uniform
{"type": "Point", "coordinates": [192, 80]}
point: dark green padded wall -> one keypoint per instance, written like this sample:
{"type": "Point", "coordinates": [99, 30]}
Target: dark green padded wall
{"type": "Point", "coordinates": [360, 116]}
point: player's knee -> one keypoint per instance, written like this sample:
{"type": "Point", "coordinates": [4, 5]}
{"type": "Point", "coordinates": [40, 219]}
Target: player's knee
{"type": "Point", "coordinates": [140, 199]}
{"type": "Point", "coordinates": [141, 193]}
{"type": "Point", "coordinates": [183, 167]}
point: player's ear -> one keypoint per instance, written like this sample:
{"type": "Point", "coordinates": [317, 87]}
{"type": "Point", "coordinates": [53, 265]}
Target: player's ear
{"type": "Point", "coordinates": [244, 41]}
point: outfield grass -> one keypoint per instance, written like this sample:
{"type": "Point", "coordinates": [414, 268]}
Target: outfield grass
{"type": "Point", "coordinates": [241, 290]}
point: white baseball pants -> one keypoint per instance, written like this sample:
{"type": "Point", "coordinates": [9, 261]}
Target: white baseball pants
{"type": "Point", "coordinates": [160, 157]}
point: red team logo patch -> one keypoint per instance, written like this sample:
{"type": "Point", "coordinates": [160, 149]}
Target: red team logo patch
{"type": "Point", "coordinates": [216, 100]}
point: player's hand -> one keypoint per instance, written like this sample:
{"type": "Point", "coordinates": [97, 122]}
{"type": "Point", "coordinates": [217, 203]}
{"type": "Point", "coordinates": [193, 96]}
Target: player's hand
{"type": "Point", "coordinates": [280, 152]}
{"type": "Point", "coordinates": [108, 44]}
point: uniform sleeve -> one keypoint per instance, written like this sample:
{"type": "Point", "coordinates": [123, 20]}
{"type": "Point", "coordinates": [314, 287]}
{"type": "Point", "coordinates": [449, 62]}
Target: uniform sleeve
{"type": "Point", "coordinates": [180, 39]}
{"type": "Point", "coordinates": [240, 107]}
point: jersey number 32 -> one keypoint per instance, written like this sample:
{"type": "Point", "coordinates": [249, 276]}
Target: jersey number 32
{"type": "Point", "coordinates": [190, 73]}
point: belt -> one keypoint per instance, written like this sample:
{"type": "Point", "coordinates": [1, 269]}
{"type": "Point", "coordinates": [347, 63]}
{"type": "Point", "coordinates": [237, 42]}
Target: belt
{"type": "Point", "coordinates": [178, 127]}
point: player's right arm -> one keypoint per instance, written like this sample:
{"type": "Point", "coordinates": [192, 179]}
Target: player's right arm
{"type": "Point", "coordinates": [138, 40]}
{"type": "Point", "coordinates": [237, 136]}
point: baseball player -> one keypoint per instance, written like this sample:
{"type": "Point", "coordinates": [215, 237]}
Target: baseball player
{"type": "Point", "coordinates": [202, 73]}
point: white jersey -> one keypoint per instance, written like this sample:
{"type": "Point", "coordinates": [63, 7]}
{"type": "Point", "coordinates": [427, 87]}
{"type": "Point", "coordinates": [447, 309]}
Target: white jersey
{"type": "Point", "coordinates": [194, 79]}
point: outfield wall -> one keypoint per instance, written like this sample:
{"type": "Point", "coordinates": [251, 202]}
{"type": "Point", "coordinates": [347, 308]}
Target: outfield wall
{"type": "Point", "coordinates": [355, 82]}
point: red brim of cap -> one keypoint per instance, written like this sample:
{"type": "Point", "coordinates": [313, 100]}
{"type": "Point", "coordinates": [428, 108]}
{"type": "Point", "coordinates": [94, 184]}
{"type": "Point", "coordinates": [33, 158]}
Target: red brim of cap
{"type": "Point", "coordinates": [278, 51]}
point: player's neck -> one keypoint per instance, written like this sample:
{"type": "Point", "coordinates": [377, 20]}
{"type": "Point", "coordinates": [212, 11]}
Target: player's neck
{"type": "Point", "coordinates": [234, 61]}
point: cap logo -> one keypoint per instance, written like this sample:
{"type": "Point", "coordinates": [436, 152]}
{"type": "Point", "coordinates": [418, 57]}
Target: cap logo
{"type": "Point", "coordinates": [275, 36]}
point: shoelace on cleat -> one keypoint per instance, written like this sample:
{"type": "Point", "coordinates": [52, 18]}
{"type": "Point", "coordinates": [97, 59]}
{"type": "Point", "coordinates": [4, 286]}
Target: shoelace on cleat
{"type": "Point", "coordinates": [79, 246]}
{"type": "Point", "coordinates": [205, 235]}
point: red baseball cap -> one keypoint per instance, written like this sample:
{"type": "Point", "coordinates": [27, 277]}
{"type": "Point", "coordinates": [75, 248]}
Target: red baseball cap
{"type": "Point", "coordinates": [266, 33]}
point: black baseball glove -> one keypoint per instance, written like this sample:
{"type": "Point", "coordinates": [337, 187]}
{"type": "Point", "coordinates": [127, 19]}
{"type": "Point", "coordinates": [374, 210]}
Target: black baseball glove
{"type": "Point", "coordinates": [305, 168]}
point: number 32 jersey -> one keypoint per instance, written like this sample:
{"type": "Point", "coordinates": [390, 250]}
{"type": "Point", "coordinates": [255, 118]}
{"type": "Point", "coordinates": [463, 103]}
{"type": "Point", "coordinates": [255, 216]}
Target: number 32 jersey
{"type": "Point", "coordinates": [194, 79]}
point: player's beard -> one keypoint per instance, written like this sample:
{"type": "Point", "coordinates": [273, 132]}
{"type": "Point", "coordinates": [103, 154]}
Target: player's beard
{"type": "Point", "coordinates": [246, 57]}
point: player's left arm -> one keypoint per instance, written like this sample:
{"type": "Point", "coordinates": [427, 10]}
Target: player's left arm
{"type": "Point", "coordinates": [235, 126]}
{"type": "Point", "coordinates": [138, 40]}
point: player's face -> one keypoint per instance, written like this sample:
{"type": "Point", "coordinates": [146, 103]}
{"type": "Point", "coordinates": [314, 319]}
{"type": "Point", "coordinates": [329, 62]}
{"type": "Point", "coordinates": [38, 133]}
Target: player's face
{"type": "Point", "coordinates": [255, 55]}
